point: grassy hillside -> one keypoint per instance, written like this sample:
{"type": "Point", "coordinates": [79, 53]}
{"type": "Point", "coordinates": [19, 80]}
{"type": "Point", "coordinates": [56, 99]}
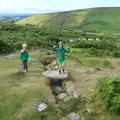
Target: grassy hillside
{"type": "Point", "coordinates": [102, 19]}
{"type": "Point", "coordinates": [61, 19]}
{"type": "Point", "coordinates": [96, 19]}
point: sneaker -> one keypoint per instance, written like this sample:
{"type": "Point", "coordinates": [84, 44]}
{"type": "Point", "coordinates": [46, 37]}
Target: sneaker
{"type": "Point", "coordinates": [25, 70]}
{"type": "Point", "coordinates": [63, 70]}
{"type": "Point", "coordinates": [59, 71]}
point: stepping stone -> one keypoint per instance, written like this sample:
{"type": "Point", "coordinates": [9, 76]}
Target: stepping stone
{"type": "Point", "coordinates": [52, 74]}
{"type": "Point", "coordinates": [73, 116]}
{"type": "Point", "coordinates": [42, 107]}
{"type": "Point", "coordinates": [68, 99]}
{"type": "Point", "coordinates": [61, 96]}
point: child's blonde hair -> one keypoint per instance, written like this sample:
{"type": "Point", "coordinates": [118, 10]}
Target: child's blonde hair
{"type": "Point", "coordinates": [24, 45]}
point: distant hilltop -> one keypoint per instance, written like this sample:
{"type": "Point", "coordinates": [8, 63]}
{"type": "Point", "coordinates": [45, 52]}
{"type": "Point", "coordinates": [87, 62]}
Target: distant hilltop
{"type": "Point", "coordinates": [92, 19]}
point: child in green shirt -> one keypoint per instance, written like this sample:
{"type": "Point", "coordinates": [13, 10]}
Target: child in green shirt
{"type": "Point", "coordinates": [60, 53]}
{"type": "Point", "coordinates": [24, 57]}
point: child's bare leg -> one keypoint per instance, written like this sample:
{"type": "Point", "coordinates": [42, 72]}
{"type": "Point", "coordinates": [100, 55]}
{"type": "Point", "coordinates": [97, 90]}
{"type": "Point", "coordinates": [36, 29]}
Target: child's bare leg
{"type": "Point", "coordinates": [63, 68]}
{"type": "Point", "coordinates": [60, 68]}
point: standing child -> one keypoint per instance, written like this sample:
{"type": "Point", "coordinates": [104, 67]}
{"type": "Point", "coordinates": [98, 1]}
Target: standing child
{"type": "Point", "coordinates": [60, 53]}
{"type": "Point", "coordinates": [24, 57]}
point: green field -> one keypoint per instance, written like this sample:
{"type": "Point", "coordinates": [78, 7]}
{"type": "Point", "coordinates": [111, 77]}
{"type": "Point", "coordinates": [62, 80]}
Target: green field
{"type": "Point", "coordinates": [96, 20]}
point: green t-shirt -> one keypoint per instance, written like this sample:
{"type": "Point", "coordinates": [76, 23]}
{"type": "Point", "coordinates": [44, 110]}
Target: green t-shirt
{"type": "Point", "coordinates": [24, 55]}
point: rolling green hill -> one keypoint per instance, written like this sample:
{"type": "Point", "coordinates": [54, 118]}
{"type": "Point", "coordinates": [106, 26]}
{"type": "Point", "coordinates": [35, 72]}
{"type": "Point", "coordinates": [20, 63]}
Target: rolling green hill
{"type": "Point", "coordinates": [96, 19]}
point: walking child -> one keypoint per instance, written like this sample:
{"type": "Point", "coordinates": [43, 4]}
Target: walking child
{"type": "Point", "coordinates": [60, 53]}
{"type": "Point", "coordinates": [24, 57]}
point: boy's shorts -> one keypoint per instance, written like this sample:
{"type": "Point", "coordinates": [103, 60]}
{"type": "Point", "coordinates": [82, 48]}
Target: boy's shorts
{"type": "Point", "coordinates": [60, 62]}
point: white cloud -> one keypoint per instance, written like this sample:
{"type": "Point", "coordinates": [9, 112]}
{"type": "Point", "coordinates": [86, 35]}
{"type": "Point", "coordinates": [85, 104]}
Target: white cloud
{"type": "Point", "coordinates": [47, 5]}
{"type": "Point", "coordinates": [12, 4]}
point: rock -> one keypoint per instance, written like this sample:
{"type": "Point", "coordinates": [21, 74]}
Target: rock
{"type": "Point", "coordinates": [42, 107]}
{"type": "Point", "coordinates": [47, 68]}
{"type": "Point", "coordinates": [75, 94]}
{"type": "Point", "coordinates": [10, 56]}
{"type": "Point", "coordinates": [61, 96]}
{"type": "Point", "coordinates": [73, 116]}
{"type": "Point", "coordinates": [34, 60]}
{"type": "Point", "coordinates": [69, 91]}
{"type": "Point", "coordinates": [68, 99]}
{"type": "Point", "coordinates": [65, 107]}
{"type": "Point", "coordinates": [57, 90]}
{"type": "Point", "coordinates": [52, 74]}
{"type": "Point", "coordinates": [91, 111]}
{"type": "Point", "coordinates": [64, 118]}
{"type": "Point", "coordinates": [70, 87]}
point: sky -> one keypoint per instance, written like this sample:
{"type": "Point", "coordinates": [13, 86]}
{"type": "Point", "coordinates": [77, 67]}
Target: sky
{"type": "Point", "coordinates": [43, 6]}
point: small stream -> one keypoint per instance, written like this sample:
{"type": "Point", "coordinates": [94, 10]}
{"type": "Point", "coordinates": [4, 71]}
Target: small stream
{"type": "Point", "coordinates": [68, 101]}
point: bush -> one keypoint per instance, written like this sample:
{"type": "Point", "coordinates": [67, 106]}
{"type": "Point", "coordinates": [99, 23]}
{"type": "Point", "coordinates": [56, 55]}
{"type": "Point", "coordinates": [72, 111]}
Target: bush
{"type": "Point", "coordinates": [5, 47]}
{"type": "Point", "coordinates": [109, 89]}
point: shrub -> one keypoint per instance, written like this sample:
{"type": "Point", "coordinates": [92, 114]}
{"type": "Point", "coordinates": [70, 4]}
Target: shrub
{"type": "Point", "coordinates": [109, 89]}
{"type": "Point", "coordinates": [5, 47]}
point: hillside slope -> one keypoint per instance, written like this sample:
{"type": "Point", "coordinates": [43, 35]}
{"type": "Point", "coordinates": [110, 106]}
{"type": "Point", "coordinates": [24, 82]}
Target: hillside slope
{"type": "Point", "coordinates": [96, 19]}
{"type": "Point", "coordinates": [61, 19]}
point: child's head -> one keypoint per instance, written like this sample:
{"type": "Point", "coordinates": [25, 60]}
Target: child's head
{"type": "Point", "coordinates": [60, 44]}
{"type": "Point", "coordinates": [24, 46]}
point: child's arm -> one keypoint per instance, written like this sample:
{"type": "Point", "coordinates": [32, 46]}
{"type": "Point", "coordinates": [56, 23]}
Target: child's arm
{"type": "Point", "coordinates": [54, 49]}
{"type": "Point", "coordinates": [27, 54]}
{"type": "Point", "coordinates": [20, 56]}
{"type": "Point", "coordinates": [67, 50]}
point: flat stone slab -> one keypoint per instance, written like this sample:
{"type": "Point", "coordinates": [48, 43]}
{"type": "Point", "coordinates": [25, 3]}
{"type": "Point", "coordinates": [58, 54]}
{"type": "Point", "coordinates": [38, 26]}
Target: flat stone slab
{"type": "Point", "coordinates": [52, 74]}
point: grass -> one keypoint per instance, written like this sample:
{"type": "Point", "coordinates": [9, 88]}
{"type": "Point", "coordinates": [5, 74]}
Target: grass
{"type": "Point", "coordinates": [20, 96]}
{"type": "Point", "coordinates": [85, 83]}
{"type": "Point", "coordinates": [96, 19]}
{"type": "Point", "coordinates": [99, 100]}
{"type": "Point", "coordinates": [21, 93]}
{"type": "Point", "coordinates": [87, 60]}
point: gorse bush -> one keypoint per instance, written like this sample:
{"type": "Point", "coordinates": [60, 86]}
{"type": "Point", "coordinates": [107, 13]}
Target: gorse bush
{"type": "Point", "coordinates": [109, 90]}
{"type": "Point", "coordinates": [13, 36]}
{"type": "Point", "coordinates": [5, 47]}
